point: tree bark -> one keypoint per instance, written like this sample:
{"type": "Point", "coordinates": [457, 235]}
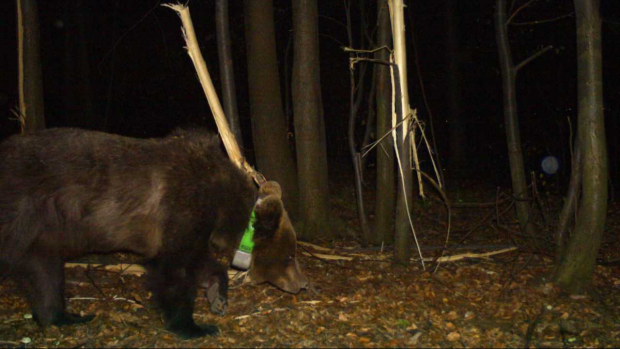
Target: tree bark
{"type": "Point", "coordinates": [78, 94]}
{"type": "Point", "coordinates": [457, 128]}
{"type": "Point", "coordinates": [355, 100]}
{"type": "Point", "coordinates": [511, 119]}
{"type": "Point", "coordinates": [227, 71]}
{"type": "Point", "coordinates": [570, 205]}
{"type": "Point", "coordinates": [370, 117]}
{"type": "Point", "coordinates": [384, 211]}
{"type": "Point", "coordinates": [576, 268]}
{"type": "Point", "coordinates": [30, 73]}
{"type": "Point", "coordinates": [273, 155]}
{"type": "Point", "coordinates": [309, 127]}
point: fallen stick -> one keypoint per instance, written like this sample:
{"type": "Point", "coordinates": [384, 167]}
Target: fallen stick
{"type": "Point", "coordinates": [318, 248]}
{"type": "Point", "coordinates": [458, 257]}
{"type": "Point", "coordinates": [126, 269]}
{"type": "Point", "coordinates": [328, 256]}
{"type": "Point", "coordinates": [123, 269]}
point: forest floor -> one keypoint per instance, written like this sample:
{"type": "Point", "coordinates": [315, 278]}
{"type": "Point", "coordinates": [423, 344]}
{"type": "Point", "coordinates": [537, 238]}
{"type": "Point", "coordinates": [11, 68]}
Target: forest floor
{"type": "Point", "coordinates": [361, 300]}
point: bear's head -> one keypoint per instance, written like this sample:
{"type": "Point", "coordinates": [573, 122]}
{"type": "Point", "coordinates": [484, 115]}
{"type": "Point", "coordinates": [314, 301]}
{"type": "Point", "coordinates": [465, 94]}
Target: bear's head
{"type": "Point", "coordinates": [273, 257]}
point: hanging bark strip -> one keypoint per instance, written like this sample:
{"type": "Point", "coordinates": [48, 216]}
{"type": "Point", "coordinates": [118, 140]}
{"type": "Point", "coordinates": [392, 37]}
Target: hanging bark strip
{"type": "Point", "coordinates": [403, 139]}
{"type": "Point", "coordinates": [193, 50]}
{"type": "Point", "coordinates": [399, 120]}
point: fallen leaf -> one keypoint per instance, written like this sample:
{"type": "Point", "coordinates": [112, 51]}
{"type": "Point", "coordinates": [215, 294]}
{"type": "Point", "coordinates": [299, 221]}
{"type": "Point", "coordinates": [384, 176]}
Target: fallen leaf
{"type": "Point", "coordinates": [454, 336]}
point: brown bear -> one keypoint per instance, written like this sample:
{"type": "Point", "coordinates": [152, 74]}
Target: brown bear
{"type": "Point", "coordinates": [67, 192]}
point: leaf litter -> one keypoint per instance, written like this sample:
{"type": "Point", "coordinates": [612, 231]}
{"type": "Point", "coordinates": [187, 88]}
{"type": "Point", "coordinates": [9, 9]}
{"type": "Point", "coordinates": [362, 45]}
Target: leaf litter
{"type": "Point", "coordinates": [359, 299]}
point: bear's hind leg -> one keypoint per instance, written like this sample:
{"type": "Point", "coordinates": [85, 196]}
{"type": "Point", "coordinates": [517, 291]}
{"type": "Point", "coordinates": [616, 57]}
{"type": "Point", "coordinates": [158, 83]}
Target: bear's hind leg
{"type": "Point", "coordinates": [45, 281]}
{"type": "Point", "coordinates": [175, 291]}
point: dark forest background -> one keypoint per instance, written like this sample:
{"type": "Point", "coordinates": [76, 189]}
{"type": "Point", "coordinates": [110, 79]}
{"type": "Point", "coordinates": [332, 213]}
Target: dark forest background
{"type": "Point", "coordinates": [144, 84]}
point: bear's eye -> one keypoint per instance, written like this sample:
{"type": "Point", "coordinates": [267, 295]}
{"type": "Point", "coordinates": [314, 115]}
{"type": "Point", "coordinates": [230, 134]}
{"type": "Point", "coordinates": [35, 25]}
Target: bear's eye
{"type": "Point", "coordinates": [289, 259]}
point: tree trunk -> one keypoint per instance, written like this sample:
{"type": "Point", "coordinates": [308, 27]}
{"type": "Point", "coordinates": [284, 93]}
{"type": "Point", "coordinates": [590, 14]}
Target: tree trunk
{"type": "Point", "coordinates": [456, 126]}
{"type": "Point", "coordinates": [30, 74]}
{"type": "Point", "coordinates": [511, 119]}
{"type": "Point", "coordinates": [309, 127]}
{"type": "Point", "coordinates": [570, 205]}
{"type": "Point", "coordinates": [404, 200]}
{"type": "Point", "coordinates": [78, 95]}
{"type": "Point", "coordinates": [384, 211]}
{"type": "Point", "coordinates": [355, 100]}
{"type": "Point", "coordinates": [577, 266]}
{"type": "Point", "coordinates": [227, 71]}
{"type": "Point", "coordinates": [370, 117]}
{"type": "Point", "coordinates": [273, 155]}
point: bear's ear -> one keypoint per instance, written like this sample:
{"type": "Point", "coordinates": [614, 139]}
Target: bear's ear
{"type": "Point", "coordinates": [270, 188]}
{"type": "Point", "coordinates": [268, 214]}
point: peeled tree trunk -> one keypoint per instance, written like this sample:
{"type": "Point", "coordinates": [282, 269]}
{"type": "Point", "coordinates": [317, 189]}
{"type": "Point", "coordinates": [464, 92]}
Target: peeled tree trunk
{"type": "Point", "coordinates": [403, 237]}
{"type": "Point", "coordinates": [577, 265]}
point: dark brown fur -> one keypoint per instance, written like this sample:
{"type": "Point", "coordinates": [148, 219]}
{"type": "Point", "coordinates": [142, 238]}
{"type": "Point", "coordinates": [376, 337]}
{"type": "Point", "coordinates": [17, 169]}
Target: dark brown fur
{"type": "Point", "coordinates": [67, 192]}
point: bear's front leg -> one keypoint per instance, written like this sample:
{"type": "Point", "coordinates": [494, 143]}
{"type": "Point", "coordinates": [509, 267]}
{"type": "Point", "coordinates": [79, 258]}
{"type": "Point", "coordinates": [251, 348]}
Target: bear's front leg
{"type": "Point", "coordinates": [174, 289]}
{"type": "Point", "coordinates": [214, 278]}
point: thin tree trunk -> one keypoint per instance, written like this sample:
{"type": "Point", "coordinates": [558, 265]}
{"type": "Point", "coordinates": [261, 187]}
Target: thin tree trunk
{"type": "Point", "coordinates": [404, 200]}
{"type": "Point", "coordinates": [355, 95]}
{"type": "Point", "coordinates": [309, 127]}
{"type": "Point", "coordinates": [366, 41]}
{"type": "Point", "coordinates": [288, 103]}
{"type": "Point", "coordinates": [456, 127]}
{"type": "Point", "coordinates": [370, 116]}
{"type": "Point", "coordinates": [78, 95]}
{"type": "Point", "coordinates": [227, 71]}
{"type": "Point", "coordinates": [30, 74]}
{"type": "Point", "coordinates": [273, 155]}
{"type": "Point", "coordinates": [576, 268]}
{"type": "Point", "coordinates": [570, 205]}
{"type": "Point", "coordinates": [511, 119]}
{"type": "Point", "coordinates": [384, 211]}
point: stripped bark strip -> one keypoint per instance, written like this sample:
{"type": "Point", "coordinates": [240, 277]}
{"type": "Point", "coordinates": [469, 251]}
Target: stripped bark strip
{"type": "Point", "coordinates": [193, 50]}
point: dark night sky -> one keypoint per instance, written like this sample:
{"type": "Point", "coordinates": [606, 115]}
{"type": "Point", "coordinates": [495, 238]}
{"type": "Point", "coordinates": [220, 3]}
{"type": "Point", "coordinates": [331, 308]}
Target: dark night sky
{"type": "Point", "coordinates": [145, 85]}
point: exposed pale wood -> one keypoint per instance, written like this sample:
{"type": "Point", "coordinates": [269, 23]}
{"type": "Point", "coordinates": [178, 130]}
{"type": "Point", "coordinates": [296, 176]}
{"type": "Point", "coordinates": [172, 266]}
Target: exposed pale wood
{"type": "Point", "coordinates": [126, 269]}
{"type": "Point", "coordinates": [329, 257]}
{"type": "Point", "coordinates": [459, 257]}
{"type": "Point", "coordinates": [401, 251]}
{"type": "Point", "coordinates": [318, 248]}
{"type": "Point", "coordinates": [193, 50]}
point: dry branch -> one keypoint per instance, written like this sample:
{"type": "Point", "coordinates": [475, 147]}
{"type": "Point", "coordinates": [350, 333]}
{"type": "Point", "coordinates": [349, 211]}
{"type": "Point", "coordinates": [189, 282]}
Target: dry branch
{"type": "Point", "coordinates": [458, 257]}
{"type": "Point", "coordinates": [125, 269]}
{"type": "Point", "coordinates": [329, 257]}
{"type": "Point", "coordinates": [318, 248]}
